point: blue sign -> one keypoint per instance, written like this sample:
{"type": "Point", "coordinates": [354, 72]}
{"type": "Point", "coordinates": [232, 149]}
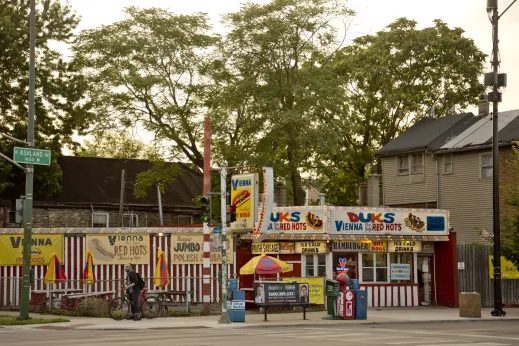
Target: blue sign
{"type": "Point", "coordinates": [435, 223]}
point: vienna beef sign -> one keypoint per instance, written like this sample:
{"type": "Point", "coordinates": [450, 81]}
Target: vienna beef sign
{"type": "Point", "coordinates": [187, 248]}
{"type": "Point", "coordinates": [42, 247]}
{"type": "Point", "coordinates": [389, 221]}
{"type": "Point", "coordinates": [119, 248]}
{"type": "Point", "coordinates": [244, 196]}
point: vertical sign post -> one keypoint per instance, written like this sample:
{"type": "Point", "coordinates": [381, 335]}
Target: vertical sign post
{"type": "Point", "coordinates": [224, 318]}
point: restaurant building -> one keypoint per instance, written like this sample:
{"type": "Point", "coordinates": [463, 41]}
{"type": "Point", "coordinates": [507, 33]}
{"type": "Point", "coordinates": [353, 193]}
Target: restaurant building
{"type": "Point", "coordinates": [402, 257]}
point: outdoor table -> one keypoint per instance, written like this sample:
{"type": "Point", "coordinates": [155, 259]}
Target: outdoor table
{"type": "Point", "coordinates": [166, 297]}
{"type": "Point", "coordinates": [75, 298]}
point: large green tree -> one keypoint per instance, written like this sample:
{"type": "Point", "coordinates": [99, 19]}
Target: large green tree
{"type": "Point", "coordinates": [58, 108]}
{"type": "Point", "coordinates": [277, 55]}
{"type": "Point", "coordinates": [150, 70]}
{"type": "Point", "coordinates": [391, 80]}
{"type": "Point", "coordinates": [510, 239]}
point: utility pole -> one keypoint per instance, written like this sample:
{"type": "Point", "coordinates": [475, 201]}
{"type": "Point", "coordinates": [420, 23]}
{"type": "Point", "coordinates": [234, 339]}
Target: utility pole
{"type": "Point", "coordinates": [496, 80]}
{"type": "Point", "coordinates": [224, 318]}
{"type": "Point", "coordinates": [206, 244]}
{"type": "Point", "coordinates": [29, 172]}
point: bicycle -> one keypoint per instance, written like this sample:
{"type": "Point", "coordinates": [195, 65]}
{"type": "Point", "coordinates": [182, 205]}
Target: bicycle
{"type": "Point", "coordinates": [120, 308]}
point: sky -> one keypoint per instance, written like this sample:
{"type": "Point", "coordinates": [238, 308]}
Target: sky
{"type": "Point", "coordinates": [372, 16]}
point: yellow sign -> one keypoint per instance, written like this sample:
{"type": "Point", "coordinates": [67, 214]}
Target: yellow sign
{"type": "Point", "coordinates": [316, 288]}
{"type": "Point", "coordinates": [287, 248]}
{"type": "Point", "coordinates": [43, 245]}
{"type": "Point", "coordinates": [405, 246]}
{"type": "Point", "coordinates": [187, 248]}
{"type": "Point", "coordinates": [311, 247]}
{"type": "Point", "coordinates": [119, 248]}
{"type": "Point", "coordinates": [359, 246]}
{"type": "Point", "coordinates": [244, 196]}
{"type": "Point", "coordinates": [266, 248]}
{"type": "Point", "coordinates": [508, 269]}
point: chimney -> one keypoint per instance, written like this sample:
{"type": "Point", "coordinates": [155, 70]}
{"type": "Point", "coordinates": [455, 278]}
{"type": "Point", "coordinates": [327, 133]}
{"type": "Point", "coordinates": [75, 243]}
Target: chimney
{"type": "Point", "coordinates": [374, 190]}
{"type": "Point", "coordinates": [484, 105]}
{"type": "Point", "coordinates": [363, 194]}
{"type": "Point", "coordinates": [280, 195]}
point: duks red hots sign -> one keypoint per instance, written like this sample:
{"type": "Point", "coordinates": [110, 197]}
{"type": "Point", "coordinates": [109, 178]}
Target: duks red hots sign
{"type": "Point", "coordinates": [298, 220]}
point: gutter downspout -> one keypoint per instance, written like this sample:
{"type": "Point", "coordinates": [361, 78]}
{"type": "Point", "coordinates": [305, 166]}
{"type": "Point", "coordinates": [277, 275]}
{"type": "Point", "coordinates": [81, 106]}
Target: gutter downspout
{"type": "Point", "coordinates": [437, 182]}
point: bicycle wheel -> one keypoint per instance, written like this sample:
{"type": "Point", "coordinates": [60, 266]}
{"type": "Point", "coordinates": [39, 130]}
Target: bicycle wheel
{"type": "Point", "coordinates": [119, 309]}
{"type": "Point", "coordinates": [151, 307]}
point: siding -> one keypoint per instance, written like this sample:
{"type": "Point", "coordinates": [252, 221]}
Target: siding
{"type": "Point", "coordinates": [398, 193]}
{"type": "Point", "coordinates": [467, 196]}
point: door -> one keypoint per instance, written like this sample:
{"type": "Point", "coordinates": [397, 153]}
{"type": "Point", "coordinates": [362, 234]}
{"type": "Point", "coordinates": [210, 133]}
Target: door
{"type": "Point", "coordinates": [425, 279]}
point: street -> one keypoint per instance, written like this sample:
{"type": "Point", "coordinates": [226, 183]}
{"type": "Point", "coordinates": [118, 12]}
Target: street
{"type": "Point", "coordinates": [482, 333]}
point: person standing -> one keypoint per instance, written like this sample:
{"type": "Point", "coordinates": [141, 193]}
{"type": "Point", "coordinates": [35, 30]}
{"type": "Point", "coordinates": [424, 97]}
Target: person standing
{"type": "Point", "coordinates": [134, 289]}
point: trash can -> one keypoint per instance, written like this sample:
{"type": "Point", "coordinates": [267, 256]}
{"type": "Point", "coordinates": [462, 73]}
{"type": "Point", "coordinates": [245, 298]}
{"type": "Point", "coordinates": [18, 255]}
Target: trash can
{"type": "Point", "coordinates": [361, 305]}
{"type": "Point", "coordinates": [236, 307]}
{"type": "Point", "coordinates": [331, 292]}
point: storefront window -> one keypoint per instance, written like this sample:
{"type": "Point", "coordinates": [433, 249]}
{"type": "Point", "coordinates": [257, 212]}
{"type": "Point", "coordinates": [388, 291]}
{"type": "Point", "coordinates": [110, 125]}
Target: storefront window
{"type": "Point", "coordinates": [401, 267]}
{"type": "Point", "coordinates": [374, 267]}
{"type": "Point", "coordinates": [310, 269]}
{"type": "Point", "coordinates": [347, 261]}
{"type": "Point", "coordinates": [321, 265]}
{"type": "Point", "coordinates": [316, 264]}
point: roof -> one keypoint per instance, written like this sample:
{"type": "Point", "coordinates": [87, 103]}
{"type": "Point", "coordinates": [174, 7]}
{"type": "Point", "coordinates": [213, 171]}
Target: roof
{"type": "Point", "coordinates": [453, 133]}
{"type": "Point", "coordinates": [428, 133]}
{"type": "Point", "coordinates": [98, 181]}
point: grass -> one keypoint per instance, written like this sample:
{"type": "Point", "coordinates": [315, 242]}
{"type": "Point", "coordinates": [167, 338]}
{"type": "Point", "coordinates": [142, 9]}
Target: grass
{"type": "Point", "coordinates": [8, 320]}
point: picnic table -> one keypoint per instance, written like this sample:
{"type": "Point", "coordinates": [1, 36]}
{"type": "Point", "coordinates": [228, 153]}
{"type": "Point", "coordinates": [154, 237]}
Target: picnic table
{"type": "Point", "coordinates": [167, 298]}
{"type": "Point", "coordinates": [40, 298]}
{"type": "Point", "coordinates": [71, 301]}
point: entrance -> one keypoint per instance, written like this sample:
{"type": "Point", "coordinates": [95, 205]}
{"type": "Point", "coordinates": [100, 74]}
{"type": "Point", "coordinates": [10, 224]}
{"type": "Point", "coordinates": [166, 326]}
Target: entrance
{"type": "Point", "coordinates": [425, 279]}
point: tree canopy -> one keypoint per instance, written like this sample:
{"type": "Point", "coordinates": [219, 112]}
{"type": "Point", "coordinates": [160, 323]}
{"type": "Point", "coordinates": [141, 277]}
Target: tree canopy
{"type": "Point", "coordinates": [59, 111]}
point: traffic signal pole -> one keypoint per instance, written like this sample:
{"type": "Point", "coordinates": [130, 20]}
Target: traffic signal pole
{"type": "Point", "coordinates": [29, 172]}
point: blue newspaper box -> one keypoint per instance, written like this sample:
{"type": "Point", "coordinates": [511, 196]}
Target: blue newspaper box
{"type": "Point", "coordinates": [361, 305]}
{"type": "Point", "coordinates": [236, 307]}
{"type": "Point", "coordinates": [233, 285]}
{"type": "Point", "coordinates": [354, 284]}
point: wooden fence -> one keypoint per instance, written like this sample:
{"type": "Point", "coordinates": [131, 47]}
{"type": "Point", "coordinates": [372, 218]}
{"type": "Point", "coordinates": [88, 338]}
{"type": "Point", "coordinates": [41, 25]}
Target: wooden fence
{"type": "Point", "coordinates": [475, 277]}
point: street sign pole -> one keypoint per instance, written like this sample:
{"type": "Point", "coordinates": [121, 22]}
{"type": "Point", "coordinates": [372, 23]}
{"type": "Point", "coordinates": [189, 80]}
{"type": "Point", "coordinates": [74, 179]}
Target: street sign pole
{"type": "Point", "coordinates": [29, 173]}
{"type": "Point", "coordinates": [224, 318]}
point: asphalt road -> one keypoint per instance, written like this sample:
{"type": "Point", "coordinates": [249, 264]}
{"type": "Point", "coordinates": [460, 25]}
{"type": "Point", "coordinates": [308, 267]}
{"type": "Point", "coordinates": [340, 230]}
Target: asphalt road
{"type": "Point", "coordinates": [414, 334]}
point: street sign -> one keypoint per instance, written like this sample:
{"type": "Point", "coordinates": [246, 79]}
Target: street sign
{"type": "Point", "coordinates": [32, 156]}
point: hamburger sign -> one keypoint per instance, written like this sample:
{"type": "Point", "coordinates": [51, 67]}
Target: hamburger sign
{"type": "Point", "coordinates": [244, 196]}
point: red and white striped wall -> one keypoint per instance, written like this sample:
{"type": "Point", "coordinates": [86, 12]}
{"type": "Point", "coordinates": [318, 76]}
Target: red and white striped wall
{"type": "Point", "coordinates": [391, 295]}
{"type": "Point", "coordinates": [109, 277]}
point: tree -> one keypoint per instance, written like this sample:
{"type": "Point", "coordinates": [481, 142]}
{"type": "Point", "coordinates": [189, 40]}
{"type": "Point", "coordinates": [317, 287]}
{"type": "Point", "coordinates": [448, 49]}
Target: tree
{"type": "Point", "coordinates": [150, 70]}
{"type": "Point", "coordinates": [510, 239]}
{"type": "Point", "coordinates": [59, 88]}
{"type": "Point", "coordinates": [391, 80]}
{"type": "Point", "coordinates": [118, 145]}
{"type": "Point", "coordinates": [277, 54]}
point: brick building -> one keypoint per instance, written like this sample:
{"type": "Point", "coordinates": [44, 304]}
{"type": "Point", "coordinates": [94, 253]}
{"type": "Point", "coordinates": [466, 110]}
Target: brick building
{"type": "Point", "coordinates": [91, 195]}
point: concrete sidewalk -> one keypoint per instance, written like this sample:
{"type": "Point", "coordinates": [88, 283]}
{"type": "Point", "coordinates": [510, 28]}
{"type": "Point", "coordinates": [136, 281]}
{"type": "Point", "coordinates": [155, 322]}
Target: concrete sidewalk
{"type": "Point", "coordinates": [255, 320]}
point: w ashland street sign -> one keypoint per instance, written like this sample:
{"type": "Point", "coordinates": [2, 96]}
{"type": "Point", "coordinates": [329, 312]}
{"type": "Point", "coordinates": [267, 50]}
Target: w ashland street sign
{"type": "Point", "coordinates": [32, 156]}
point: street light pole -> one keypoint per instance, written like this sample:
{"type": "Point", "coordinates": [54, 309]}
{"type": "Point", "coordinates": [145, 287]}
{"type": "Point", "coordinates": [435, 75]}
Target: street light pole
{"type": "Point", "coordinates": [29, 173]}
{"type": "Point", "coordinates": [224, 318]}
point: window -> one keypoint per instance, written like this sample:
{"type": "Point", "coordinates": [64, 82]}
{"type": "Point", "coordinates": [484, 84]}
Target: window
{"type": "Point", "coordinates": [131, 220]}
{"type": "Point", "coordinates": [447, 163]}
{"type": "Point", "coordinates": [486, 166]}
{"type": "Point", "coordinates": [403, 165]}
{"type": "Point", "coordinates": [100, 220]}
{"type": "Point", "coordinates": [185, 220]}
{"type": "Point", "coordinates": [315, 265]}
{"type": "Point", "coordinates": [403, 273]}
{"type": "Point", "coordinates": [345, 260]}
{"type": "Point", "coordinates": [417, 164]}
{"type": "Point", "coordinates": [374, 267]}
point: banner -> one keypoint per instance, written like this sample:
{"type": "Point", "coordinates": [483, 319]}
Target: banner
{"type": "Point", "coordinates": [187, 248]}
{"type": "Point", "coordinates": [405, 246]}
{"type": "Point", "coordinates": [359, 246]}
{"type": "Point", "coordinates": [119, 248]}
{"type": "Point", "coordinates": [386, 220]}
{"type": "Point", "coordinates": [43, 245]}
{"type": "Point", "coordinates": [508, 269]}
{"type": "Point", "coordinates": [311, 247]}
{"type": "Point", "coordinates": [297, 220]}
{"type": "Point", "coordinates": [244, 195]}
{"type": "Point", "coordinates": [315, 288]}
{"type": "Point", "coordinates": [281, 292]}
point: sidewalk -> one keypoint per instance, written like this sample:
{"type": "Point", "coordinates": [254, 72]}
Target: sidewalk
{"type": "Point", "coordinates": [255, 320]}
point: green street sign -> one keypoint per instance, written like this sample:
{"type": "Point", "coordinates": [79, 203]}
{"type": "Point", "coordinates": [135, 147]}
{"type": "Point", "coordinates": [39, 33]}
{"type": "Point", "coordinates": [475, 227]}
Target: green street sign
{"type": "Point", "coordinates": [32, 156]}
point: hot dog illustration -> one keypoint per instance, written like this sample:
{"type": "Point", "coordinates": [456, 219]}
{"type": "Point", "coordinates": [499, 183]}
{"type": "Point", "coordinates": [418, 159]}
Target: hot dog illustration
{"type": "Point", "coordinates": [314, 221]}
{"type": "Point", "coordinates": [99, 250]}
{"type": "Point", "coordinates": [240, 198]}
{"type": "Point", "coordinates": [35, 251]}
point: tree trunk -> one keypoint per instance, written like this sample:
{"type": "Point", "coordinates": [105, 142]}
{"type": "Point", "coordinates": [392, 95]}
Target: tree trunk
{"type": "Point", "coordinates": [295, 177]}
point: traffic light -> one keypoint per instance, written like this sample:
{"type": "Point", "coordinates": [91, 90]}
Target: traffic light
{"type": "Point", "coordinates": [206, 209]}
{"type": "Point", "coordinates": [231, 213]}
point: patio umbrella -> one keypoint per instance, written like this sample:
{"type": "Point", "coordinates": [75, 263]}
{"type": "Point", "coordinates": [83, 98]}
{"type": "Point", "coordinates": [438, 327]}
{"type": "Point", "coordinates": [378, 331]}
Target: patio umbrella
{"type": "Point", "coordinates": [55, 271]}
{"type": "Point", "coordinates": [161, 273]}
{"type": "Point", "coordinates": [264, 264]}
{"type": "Point", "coordinates": [88, 272]}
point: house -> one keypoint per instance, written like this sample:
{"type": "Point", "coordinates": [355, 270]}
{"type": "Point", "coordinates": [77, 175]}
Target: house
{"type": "Point", "coordinates": [91, 196]}
{"type": "Point", "coordinates": [446, 163]}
